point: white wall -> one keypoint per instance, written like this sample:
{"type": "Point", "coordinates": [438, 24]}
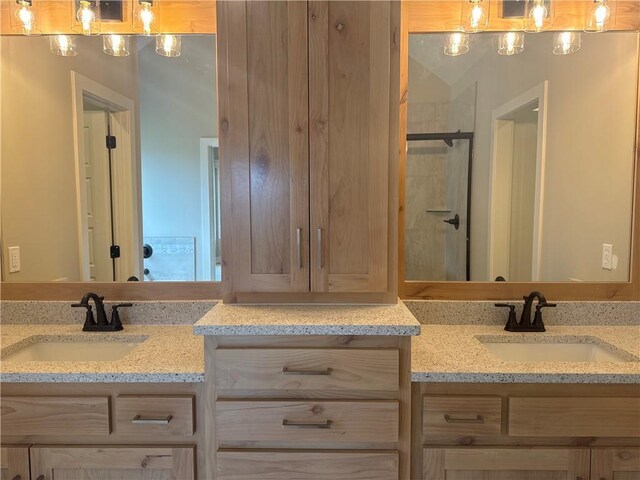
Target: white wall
{"type": "Point", "coordinates": [38, 190]}
{"type": "Point", "coordinates": [590, 149]}
{"type": "Point", "coordinates": [178, 106]}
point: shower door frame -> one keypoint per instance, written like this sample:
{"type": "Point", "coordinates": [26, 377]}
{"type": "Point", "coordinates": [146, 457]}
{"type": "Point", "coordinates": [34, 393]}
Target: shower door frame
{"type": "Point", "coordinates": [417, 137]}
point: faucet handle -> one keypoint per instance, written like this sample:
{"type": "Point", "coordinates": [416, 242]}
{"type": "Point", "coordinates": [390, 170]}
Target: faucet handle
{"type": "Point", "coordinates": [88, 320]}
{"type": "Point", "coordinates": [545, 304]}
{"type": "Point", "coordinates": [512, 322]}
{"type": "Point", "coordinates": [116, 324]}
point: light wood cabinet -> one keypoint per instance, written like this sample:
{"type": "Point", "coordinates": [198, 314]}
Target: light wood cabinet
{"type": "Point", "coordinates": [14, 463]}
{"type": "Point", "coordinates": [615, 464]}
{"type": "Point", "coordinates": [308, 107]}
{"type": "Point", "coordinates": [112, 463]}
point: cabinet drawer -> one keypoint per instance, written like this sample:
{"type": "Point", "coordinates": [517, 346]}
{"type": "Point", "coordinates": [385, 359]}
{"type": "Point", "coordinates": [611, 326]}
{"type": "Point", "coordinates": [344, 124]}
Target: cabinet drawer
{"type": "Point", "coordinates": [299, 421]}
{"type": "Point", "coordinates": [307, 369]}
{"type": "Point", "coordinates": [55, 416]}
{"type": "Point", "coordinates": [293, 465]}
{"type": "Point", "coordinates": [574, 417]}
{"type": "Point", "coordinates": [152, 414]}
{"type": "Point", "coordinates": [465, 415]}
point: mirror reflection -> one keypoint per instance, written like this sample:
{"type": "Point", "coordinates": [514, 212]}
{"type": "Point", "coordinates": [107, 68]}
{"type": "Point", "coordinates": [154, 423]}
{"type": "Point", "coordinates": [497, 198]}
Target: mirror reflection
{"type": "Point", "coordinates": [109, 159]}
{"type": "Point", "coordinates": [520, 157]}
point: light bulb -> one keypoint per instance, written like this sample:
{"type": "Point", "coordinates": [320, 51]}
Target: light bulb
{"type": "Point", "coordinates": [476, 17]}
{"type": "Point", "coordinates": [116, 45]}
{"type": "Point", "coordinates": [88, 18]}
{"type": "Point", "coordinates": [456, 44]}
{"type": "Point", "coordinates": [510, 43]}
{"type": "Point", "coordinates": [146, 17]}
{"type": "Point", "coordinates": [26, 18]}
{"type": "Point", "coordinates": [538, 14]}
{"type": "Point", "coordinates": [62, 45]}
{"type": "Point", "coordinates": [599, 16]}
{"type": "Point", "coordinates": [168, 45]}
{"type": "Point", "coordinates": [566, 43]}
{"type": "Point", "coordinates": [539, 17]}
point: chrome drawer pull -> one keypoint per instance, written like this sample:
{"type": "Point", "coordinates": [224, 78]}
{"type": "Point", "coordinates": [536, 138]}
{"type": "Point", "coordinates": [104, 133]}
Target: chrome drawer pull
{"type": "Point", "coordinates": [138, 420]}
{"type": "Point", "coordinates": [288, 424]}
{"type": "Point", "coordinates": [286, 371]}
{"type": "Point", "coordinates": [478, 419]}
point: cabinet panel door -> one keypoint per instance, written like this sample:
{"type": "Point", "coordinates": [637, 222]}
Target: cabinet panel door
{"type": "Point", "coordinates": [351, 59]}
{"type": "Point", "coordinates": [264, 144]}
{"type": "Point", "coordinates": [523, 463]}
{"type": "Point", "coordinates": [112, 463]}
{"type": "Point", "coordinates": [14, 463]}
{"type": "Point", "coordinates": [615, 464]}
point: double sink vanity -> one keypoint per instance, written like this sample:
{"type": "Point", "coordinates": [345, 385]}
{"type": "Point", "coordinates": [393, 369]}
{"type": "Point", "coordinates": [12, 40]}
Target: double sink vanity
{"type": "Point", "coordinates": [321, 392]}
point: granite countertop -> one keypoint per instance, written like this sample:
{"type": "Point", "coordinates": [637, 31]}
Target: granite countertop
{"type": "Point", "coordinates": [454, 353]}
{"type": "Point", "coordinates": [308, 320]}
{"type": "Point", "coordinates": [167, 354]}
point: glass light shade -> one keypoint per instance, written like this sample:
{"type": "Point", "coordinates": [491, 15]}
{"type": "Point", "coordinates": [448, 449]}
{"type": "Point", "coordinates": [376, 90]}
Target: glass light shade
{"type": "Point", "coordinates": [116, 45]}
{"type": "Point", "coordinates": [145, 17]}
{"type": "Point", "coordinates": [63, 45]}
{"type": "Point", "coordinates": [24, 18]}
{"type": "Point", "coordinates": [510, 43]}
{"type": "Point", "coordinates": [539, 16]}
{"type": "Point", "coordinates": [475, 15]}
{"type": "Point", "coordinates": [168, 45]}
{"type": "Point", "coordinates": [456, 44]}
{"type": "Point", "coordinates": [598, 15]}
{"type": "Point", "coordinates": [565, 43]}
{"type": "Point", "coordinates": [87, 20]}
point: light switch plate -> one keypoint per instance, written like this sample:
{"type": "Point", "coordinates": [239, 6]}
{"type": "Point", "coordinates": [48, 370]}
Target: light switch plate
{"type": "Point", "coordinates": [14, 259]}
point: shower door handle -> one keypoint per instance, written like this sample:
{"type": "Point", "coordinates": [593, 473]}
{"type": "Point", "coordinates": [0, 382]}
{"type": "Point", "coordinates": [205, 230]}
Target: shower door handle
{"type": "Point", "coordinates": [455, 221]}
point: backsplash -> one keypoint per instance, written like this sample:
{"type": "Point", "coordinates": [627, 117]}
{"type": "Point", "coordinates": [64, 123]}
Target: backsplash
{"type": "Point", "coordinates": [450, 312]}
{"type": "Point", "coordinates": [142, 312]}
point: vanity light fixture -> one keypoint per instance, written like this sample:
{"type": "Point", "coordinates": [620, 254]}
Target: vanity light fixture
{"type": "Point", "coordinates": [87, 18]}
{"type": "Point", "coordinates": [475, 15]}
{"type": "Point", "coordinates": [168, 45]}
{"type": "Point", "coordinates": [116, 45]}
{"type": "Point", "coordinates": [566, 43]}
{"type": "Point", "coordinates": [24, 16]}
{"type": "Point", "coordinates": [538, 16]}
{"type": "Point", "coordinates": [456, 43]}
{"type": "Point", "coordinates": [597, 16]}
{"type": "Point", "coordinates": [144, 17]}
{"type": "Point", "coordinates": [63, 45]}
{"type": "Point", "coordinates": [510, 43]}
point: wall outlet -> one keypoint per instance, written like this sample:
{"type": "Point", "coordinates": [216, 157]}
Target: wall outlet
{"type": "Point", "coordinates": [607, 256]}
{"type": "Point", "coordinates": [14, 259]}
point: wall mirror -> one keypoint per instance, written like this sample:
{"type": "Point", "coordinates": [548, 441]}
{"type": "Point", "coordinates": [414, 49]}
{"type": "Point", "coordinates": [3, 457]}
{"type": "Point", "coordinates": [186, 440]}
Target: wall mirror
{"type": "Point", "coordinates": [109, 159]}
{"type": "Point", "coordinates": [520, 162]}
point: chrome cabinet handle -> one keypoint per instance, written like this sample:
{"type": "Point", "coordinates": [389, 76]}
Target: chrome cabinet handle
{"type": "Point", "coordinates": [139, 420]}
{"type": "Point", "coordinates": [288, 424]}
{"type": "Point", "coordinates": [287, 371]}
{"type": "Point", "coordinates": [319, 231]}
{"type": "Point", "coordinates": [478, 419]}
{"type": "Point", "coordinates": [299, 246]}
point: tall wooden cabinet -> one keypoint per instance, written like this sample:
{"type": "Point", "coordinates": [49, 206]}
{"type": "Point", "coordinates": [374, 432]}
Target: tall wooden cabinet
{"type": "Point", "coordinates": [308, 101]}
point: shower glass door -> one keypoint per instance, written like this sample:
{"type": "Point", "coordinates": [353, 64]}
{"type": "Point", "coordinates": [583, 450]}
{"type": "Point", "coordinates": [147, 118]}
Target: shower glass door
{"type": "Point", "coordinates": [438, 180]}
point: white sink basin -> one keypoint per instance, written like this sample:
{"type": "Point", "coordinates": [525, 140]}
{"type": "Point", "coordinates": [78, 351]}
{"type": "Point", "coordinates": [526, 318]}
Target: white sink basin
{"type": "Point", "coordinates": [69, 350]}
{"type": "Point", "coordinates": [551, 352]}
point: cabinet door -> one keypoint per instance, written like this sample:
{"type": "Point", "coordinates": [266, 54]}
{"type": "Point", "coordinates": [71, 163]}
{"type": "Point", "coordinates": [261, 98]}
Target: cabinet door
{"type": "Point", "coordinates": [521, 463]}
{"type": "Point", "coordinates": [615, 464]}
{"type": "Point", "coordinates": [353, 65]}
{"type": "Point", "coordinates": [264, 144]}
{"type": "Point", "coordinates": [112, 463]}
{"type": "Point", "coordinates": [14, 463]}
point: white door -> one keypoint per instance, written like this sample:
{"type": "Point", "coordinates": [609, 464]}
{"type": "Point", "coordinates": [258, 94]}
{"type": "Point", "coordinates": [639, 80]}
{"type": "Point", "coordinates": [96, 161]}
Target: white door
{"type": "Point", "coordinates": [98, 191]}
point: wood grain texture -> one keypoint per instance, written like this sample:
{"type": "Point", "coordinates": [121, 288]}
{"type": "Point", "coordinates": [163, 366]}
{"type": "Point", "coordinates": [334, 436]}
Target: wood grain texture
{"type": "Point", "coordinates": [14, 462]}
{"type": "Point", "coordinates": [55, 415]}
{"type": "Point", "coordinates": [351, 369]}
{"type": "Point", "coordinates": [282, 465]}
{"type": "Point", "coordinates": [506, 463]}
{"type": "Point", "coordinates": [113, 463]}
{"type": "Point", "coordinates": [350, 421]}
{"type": "Point", "coordinates": [580, 417]}
{"type": "Point", "coordinates": [615, 463]}
{"type": "Point", "coordinates": [180, 408]}
{"type": "Point", "coordinates": [459, 409]}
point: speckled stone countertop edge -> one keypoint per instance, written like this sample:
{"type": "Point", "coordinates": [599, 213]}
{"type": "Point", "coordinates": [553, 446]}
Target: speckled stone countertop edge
{"type": "Point", "coordinates": [86, 377]}
{"type": "Point", "coordinates": [365, 330]}
{"type": "Point", "coordinates": [503, 377]}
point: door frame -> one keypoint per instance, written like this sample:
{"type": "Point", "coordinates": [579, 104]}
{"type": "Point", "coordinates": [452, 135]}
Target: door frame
{"type": "Point", "coordinates": [539, 93]}
{"type": "Point", "coordinates": [126, 174]}
{"type": "Point", "coordinates": [208, 195]}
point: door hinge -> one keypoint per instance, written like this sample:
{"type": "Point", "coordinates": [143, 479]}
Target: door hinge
{"type": "Point", "coordinates": [111, 142]}
{"type": "Point", "coordinates": [115, 251]}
